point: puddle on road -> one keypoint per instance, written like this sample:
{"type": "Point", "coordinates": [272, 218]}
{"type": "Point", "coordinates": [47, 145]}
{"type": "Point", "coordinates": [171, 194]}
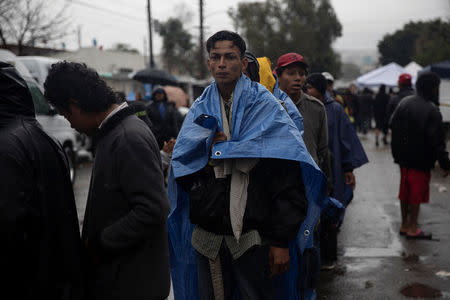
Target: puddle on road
{"type": "Point", "coordinates": [419, 290]}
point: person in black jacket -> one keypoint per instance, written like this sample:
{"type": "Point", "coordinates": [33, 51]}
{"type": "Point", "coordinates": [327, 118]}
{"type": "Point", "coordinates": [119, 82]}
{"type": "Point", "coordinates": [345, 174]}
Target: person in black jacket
{"type": "Point", "coordinates": [164, 116]}
{"type": "Point", "coordinates": [41, 252]}
{"type": "Point", "coordinates": [418, 140]}
{"type": "Point", "coordinates": [124, 228]}
{"type": "Point", "coordinates": [380, 106]}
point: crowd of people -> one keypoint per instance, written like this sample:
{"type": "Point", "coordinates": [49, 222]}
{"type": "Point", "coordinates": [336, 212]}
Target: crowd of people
{"type": "Point", "coordinates": [240, 200]}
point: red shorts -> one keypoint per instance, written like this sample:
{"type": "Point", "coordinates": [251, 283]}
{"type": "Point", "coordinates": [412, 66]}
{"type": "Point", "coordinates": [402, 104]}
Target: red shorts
{"type": "Point", "coordinates": [414, 186]}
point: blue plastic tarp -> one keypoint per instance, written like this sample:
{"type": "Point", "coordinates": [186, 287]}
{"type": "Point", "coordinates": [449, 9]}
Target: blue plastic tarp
{"type": "Point", "coordinates": [261, 128]}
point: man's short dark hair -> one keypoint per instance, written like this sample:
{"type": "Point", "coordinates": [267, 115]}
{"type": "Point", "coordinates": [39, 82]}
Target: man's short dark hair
{"type": "Point", "coordinates": [226, 35]}
{"type": "Point", "coordinates": [425, 84]}
{"type": "Point", "coordinates": [68, 81]}
{"type": "Point", "coordinates": [317, 81]}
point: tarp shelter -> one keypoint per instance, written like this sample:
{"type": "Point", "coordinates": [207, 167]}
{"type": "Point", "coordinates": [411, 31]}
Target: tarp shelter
{"type": "Point", "coordinates": [441, 68]}
{"type": "Point", "coordinates": [387, 75]}
{"type": "Point", "coordinates": [413, 69]}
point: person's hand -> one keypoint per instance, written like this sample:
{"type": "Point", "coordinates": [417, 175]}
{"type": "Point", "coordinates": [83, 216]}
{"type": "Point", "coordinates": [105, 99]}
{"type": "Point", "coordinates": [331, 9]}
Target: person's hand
{"type": "Point", "coordinates": [220, 136]}
{"type": "Point", "coordinates": [350, 179]}
{"type": "Point", "coordinates": [168, 146]}
{"type": "Point", "coordinates": [329, 191]}
{"type": "Point", "coordinates": [446, 172]}
{"type": "Point", "coordinates": [278, 260]}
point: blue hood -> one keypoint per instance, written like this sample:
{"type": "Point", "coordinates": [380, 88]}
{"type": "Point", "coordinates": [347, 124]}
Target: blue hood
{"type": "Point", "coordinates": [290, 106]}
{"type": "Point", "coordinates": [261, 128]}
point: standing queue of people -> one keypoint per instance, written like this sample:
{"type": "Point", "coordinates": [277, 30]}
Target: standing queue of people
{"type": "Point", "coordinates": [252, 170]}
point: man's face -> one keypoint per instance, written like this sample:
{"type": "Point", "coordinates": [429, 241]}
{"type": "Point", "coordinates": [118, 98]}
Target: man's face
{"type": "Point", "coordinates": [330, 87]}
{"type": "Point", "coordinates": [292, 79]}
{"type": "Point", "coordinates": [225, 63]}
{"type": "Point", "coordinates": [79, 120]}
{"type": "Point", "coordinates": [312, 91]}
{"type": "Point", "coordinates": [159, 97]}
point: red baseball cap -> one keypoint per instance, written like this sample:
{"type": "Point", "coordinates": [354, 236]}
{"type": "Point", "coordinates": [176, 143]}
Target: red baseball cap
{"type": "Point", "coordinates": [404, 79]}
{"type": "Point", "coordinates": [290, 58]}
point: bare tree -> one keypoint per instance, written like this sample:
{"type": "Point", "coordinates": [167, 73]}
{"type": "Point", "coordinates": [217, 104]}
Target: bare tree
{"type": "Point", "coordinates": [27, 22]}
{"type": "Point", "coordinates": [7, 7]}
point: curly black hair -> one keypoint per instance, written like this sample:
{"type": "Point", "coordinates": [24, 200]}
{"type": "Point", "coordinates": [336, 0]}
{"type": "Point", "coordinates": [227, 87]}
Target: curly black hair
{"type": "Point", "coordinates": [68, 81]}
{"type": "Point", "coordinates": [226, 35]}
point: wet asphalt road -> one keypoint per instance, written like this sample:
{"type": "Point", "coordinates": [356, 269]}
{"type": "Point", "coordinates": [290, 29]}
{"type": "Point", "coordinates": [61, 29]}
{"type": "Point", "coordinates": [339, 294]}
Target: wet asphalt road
{"type": "Point", "coordinates": [374, 261]}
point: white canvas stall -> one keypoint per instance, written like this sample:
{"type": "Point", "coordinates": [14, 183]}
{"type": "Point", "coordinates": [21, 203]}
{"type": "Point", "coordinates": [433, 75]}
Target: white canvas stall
{"type": "Point", "coordinates": [387, 75]}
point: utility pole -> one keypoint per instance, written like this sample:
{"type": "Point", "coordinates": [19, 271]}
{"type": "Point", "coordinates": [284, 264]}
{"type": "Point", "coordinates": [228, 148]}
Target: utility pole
{"type": "Point", "coordinates": [149, 14]}
{"type": "Point", "coordinates": [202, 51]}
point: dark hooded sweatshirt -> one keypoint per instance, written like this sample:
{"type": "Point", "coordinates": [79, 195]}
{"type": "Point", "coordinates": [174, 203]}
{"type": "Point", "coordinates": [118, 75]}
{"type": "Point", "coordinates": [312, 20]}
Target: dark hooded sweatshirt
{"type": "Point", "coordinates": [166, 125]}
{"type": "Point", "coordinates": [40, 253]}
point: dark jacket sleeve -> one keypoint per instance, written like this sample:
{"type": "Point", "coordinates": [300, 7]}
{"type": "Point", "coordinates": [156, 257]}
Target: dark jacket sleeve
{"type": "Point", "coordinates": [345, 141]}
{"type": "Point", "coordinates": [289, 204]}
{"type": "Point", "coordinates": [138, 165]}
{"type": "Point", "coordinates": [436, 139]}
{"type": "Point", "coordinates": [323, 151]}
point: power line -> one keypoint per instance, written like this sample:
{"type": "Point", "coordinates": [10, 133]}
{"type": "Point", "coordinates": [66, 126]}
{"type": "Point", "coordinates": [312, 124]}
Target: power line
{"type": "Point", "coordinates": [106, 10]}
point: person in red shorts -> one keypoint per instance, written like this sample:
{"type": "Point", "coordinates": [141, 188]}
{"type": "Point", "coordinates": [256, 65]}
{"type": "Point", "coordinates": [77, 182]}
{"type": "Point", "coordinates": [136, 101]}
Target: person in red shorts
{"type": "Point", "coordinates": [418, 140]}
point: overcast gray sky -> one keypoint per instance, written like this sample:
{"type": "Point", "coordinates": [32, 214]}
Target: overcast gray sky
{"type": "Point", "coordinates": [364, 21]}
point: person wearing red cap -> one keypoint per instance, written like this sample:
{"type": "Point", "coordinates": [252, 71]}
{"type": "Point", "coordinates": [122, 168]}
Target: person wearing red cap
{"type": "Point", "coordinates": [291, 71]}
{"type": "Point", "coordinates": [405, 86]}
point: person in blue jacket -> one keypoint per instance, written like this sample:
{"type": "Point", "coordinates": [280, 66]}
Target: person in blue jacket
{"type": "Point", "coordinates": [245, 194]}
{"type": "Point", "coordinates": [347, 155]}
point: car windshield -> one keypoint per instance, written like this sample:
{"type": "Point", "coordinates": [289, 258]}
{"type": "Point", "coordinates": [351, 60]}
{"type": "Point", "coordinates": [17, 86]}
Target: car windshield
{"type": "Point", "coordinates": [40, 104]}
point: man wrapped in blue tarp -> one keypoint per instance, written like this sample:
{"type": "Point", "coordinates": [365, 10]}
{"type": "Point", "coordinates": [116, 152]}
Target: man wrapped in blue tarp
{"type": "Point", "coordinates": [245, 193]}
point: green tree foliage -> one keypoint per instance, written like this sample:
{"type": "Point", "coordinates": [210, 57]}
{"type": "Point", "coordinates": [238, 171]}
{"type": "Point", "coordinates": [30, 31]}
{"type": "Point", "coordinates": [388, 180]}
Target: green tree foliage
{"type": "Point", "coordinates": [275, 27]}
{"type": "Point", "coordinates": [433, 45]}
{"type": "Point", "coordinates": [177, 49]}
{"type": "Point", "coordinates": [423, 42]}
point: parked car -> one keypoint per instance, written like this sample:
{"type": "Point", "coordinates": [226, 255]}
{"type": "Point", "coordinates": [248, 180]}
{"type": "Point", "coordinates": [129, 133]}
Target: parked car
{"type": "Point", "coordinates": [38, 66]}
{"type": "Point", "coordinates": [52, 123]}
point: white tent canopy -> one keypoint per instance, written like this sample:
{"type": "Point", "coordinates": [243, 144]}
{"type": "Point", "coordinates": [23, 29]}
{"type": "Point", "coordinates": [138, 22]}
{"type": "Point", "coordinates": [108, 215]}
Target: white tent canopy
{"type": "Point", "coordinates": [413, 68]}
{"type": "Point", "coordinates": [387, 75]}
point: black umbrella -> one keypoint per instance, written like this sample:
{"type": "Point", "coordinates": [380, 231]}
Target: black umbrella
{"type": "Point", "coordinates": [155, 76]}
